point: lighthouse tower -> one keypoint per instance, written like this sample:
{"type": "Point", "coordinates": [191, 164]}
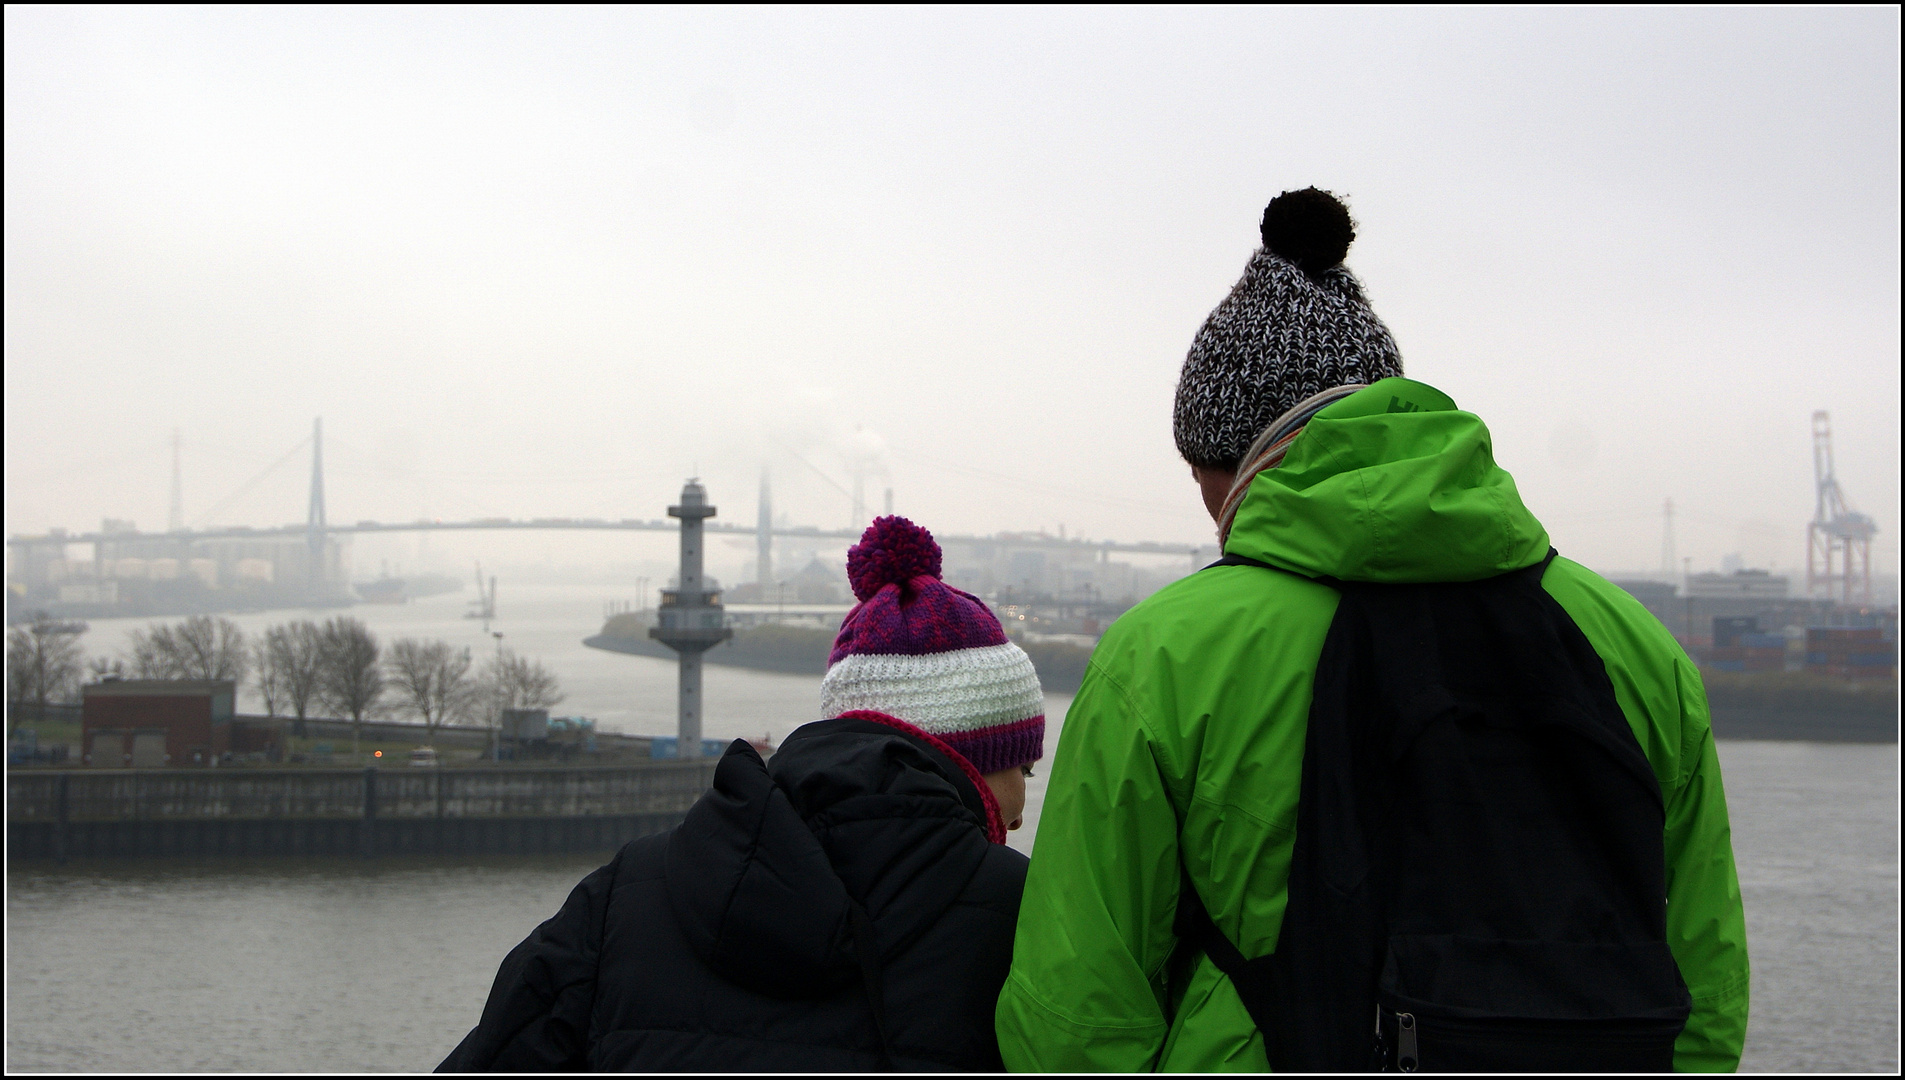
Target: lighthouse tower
{"type": "Point", "coordinates": [690, 620]}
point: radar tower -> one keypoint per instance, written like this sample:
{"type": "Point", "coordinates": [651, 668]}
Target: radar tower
{"type": "Point", "coordinates": [690, 620]}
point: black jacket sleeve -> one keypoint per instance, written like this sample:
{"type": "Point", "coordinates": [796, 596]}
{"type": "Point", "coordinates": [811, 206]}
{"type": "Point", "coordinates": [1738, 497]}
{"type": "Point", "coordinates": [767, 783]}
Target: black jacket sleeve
{"type": "Point", "coordinates": [537, 1016]}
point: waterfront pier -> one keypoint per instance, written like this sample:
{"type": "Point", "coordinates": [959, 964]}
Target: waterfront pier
{"type": "Point", "coordinates": [138, 813]}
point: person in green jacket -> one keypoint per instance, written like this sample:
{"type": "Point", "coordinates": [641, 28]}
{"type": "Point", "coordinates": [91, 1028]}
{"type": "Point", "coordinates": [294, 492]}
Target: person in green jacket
{"type": "Point", "coordinates": [1185, 743]}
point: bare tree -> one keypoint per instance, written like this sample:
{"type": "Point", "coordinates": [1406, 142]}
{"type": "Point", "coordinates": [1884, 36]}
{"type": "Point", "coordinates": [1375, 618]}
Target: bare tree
{"type": "Point", "coordinates": [297, 661]}
{"type": "Point", "coordinates": [44, 663]}
{"type": "Point", "coordinates": [352, 680]}
{"type": "Point", "coordinates": [433, 679]}
{"type": "Point", "coordinates": [201, 648]}
{"type": "Point", "coordinates": [150, 653]}
{"type": "Point", "coordinates": [512, 681]}
{"type": "Point", "coordinates": [265, 672]}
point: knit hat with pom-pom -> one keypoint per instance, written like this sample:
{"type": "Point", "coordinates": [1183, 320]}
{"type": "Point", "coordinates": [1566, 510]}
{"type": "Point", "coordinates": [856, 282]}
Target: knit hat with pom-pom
{"type": "Point", "coordinates": [919, 650]}
{"type": "Point", "coordinates": [1295, 325]}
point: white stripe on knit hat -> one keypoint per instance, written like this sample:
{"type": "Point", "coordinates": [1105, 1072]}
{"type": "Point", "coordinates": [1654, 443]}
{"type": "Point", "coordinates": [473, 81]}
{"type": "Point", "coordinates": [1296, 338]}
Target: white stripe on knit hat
{"type": "Point", "coordinates": [943, 693]}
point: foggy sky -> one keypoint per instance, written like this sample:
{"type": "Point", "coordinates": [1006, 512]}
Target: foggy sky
{"type": "Point", "coordinates": [550, 263]}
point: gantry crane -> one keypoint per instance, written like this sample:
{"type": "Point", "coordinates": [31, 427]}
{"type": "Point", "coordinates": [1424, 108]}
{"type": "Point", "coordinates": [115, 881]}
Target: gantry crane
{"type": "Point", "coordinates": [1839, 540]}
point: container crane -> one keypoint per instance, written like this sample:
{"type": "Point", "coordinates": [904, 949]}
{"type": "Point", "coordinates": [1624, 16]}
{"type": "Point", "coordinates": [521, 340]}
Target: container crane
{"type": "Point", "coordinates": [1839, 539]}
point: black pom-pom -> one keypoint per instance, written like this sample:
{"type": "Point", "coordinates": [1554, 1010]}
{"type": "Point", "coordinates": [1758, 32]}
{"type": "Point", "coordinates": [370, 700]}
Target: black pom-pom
{"type": "Point", "coordinates": [1310, 228]}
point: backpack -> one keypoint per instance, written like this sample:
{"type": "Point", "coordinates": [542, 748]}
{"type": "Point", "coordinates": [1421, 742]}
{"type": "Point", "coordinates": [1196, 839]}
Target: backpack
{"type": "Point", "coordinates": [1479, 877]}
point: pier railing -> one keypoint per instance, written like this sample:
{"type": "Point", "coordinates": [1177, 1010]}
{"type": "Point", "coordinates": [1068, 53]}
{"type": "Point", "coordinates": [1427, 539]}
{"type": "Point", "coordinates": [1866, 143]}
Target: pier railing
{"type": "Point", "coordinates": [134, 812]}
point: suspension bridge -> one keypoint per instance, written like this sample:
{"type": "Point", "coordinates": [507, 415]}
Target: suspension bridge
{"type": "Point", "coordinates": [317, 531]}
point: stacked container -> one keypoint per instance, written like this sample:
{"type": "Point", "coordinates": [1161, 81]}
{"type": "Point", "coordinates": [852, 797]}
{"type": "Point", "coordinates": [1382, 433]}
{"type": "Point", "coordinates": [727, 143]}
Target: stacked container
{"type": "Point", "coordinates": [1739, 646]}
{"type": "Point", "coordinates": [1850, 651]}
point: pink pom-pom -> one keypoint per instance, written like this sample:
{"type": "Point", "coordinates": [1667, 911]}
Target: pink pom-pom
{"type": "Point", "coordinates": [893, 551]}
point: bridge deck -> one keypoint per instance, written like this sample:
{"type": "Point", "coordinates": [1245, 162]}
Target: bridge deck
{"type": "Point", "coordinates": [626, 525]}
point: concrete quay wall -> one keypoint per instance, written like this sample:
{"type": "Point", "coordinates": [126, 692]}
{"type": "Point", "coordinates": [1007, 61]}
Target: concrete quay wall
{"type": "Point", "coordinates": [142, 813]}
{"type": "Point", "coordinates": [447, 735]}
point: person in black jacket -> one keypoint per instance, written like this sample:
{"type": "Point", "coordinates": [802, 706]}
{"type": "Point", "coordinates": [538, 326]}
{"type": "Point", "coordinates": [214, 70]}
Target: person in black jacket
{"type": "Point", "coordinates": [847, 906]}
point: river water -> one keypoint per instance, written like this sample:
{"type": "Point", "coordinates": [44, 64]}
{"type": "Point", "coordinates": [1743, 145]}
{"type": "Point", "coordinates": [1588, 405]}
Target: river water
{"type": "Point", "coordinates": [383, 965]}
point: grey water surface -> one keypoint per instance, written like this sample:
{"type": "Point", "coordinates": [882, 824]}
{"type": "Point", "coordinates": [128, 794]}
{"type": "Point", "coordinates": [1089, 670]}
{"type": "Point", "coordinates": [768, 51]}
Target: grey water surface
{"type": "Point", "coordinates": [1815, 836]}
{"type": "Point", "coordinates": [354, 965]}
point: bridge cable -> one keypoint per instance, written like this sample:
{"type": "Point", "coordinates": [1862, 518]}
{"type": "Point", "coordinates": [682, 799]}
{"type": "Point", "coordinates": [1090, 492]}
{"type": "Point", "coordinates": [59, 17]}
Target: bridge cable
{"type": "Point", "coordinates": [245, 488]}
{"type": "Point", "coordinates": [816, 470]}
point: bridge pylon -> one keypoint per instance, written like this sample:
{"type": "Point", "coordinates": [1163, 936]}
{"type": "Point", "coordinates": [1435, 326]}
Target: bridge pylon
{"type": "Point", "coordinates": [314, 527]}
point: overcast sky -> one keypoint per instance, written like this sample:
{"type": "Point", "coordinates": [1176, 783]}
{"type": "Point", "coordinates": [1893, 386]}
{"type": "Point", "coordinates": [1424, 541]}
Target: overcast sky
{"type": "Point", "coordinates": [547, 262]}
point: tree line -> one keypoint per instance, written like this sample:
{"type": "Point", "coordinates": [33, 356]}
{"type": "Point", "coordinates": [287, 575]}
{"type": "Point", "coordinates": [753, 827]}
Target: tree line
{"type": "Point", "coordinates": [299, 669]}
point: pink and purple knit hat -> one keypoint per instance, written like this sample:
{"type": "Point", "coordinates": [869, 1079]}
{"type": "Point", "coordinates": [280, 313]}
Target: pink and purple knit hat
{"type": "Point", "coordinates": [919, 650]}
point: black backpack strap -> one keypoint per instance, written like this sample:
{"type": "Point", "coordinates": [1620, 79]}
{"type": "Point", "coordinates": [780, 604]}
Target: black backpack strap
{"type": "Point", "coordinates": [1238, 560]}
{"type": "Point", "coordinates": [1541, 567]}
{"type": "Point", "coordinates": [1252, 978]}
{"type": "Point", "coordinates": [1245, 560]}
{"type": "Point", "coordinates": [1536, 569]}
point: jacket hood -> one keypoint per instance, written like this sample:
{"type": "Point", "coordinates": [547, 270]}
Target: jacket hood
{"type": "Point", "coordinates": [1391, 484]}
{"type": "Point", "coordinates": [766, 867]}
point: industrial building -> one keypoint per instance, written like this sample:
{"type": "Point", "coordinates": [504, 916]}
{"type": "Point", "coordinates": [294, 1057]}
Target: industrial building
{"type": "Point", "coordinates": [154, 724]}
{"type": "Point", "coordinates": [129, 573]}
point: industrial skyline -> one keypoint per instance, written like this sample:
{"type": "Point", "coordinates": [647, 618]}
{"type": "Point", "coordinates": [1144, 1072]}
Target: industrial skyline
{"type": "Point", "coordinates": [1833, 557]}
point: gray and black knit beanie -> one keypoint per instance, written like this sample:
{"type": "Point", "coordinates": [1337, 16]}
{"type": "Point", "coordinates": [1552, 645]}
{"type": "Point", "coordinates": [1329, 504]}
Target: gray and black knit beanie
{"type": "Point", "coordinates": [1295, 325]}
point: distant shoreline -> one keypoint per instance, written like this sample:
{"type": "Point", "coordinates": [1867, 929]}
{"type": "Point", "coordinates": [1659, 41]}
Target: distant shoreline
{"type": "Point", "coordinates": [800, 650]}
{"type": "Point", "coordinates": [1786, 707]}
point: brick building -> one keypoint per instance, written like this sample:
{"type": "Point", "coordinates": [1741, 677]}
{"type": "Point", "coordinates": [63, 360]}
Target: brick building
{"type": "Point", "coordinates": [156, 724]}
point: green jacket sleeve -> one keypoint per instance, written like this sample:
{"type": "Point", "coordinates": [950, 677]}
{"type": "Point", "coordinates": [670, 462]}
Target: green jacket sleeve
{"type": "Point", "coordinates": [1095, 924]}
{"type": "Point", "coordinates": [1706, 923]}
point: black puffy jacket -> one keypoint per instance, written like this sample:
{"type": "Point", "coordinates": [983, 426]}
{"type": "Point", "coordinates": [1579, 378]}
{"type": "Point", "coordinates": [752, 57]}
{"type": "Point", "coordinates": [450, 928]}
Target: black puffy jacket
{"type": "Point", "coordinates": [839, 910]}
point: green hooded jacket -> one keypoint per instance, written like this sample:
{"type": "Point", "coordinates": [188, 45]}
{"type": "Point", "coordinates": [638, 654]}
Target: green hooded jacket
{"type": "Point", "coordinates": [1185, 745]}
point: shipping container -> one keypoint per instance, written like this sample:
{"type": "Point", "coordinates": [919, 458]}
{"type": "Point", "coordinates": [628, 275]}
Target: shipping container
{"type": "Point", "coordinates": [1848, 656]}
{"type": "Point", "coordinates": [1741, 652]}
{"type": "Point", "coordinates": [1823, 634]}
{"type": "Point", "coordinates": [666, 746]}
{"type": "Point", "coordinates": [1847, 671]}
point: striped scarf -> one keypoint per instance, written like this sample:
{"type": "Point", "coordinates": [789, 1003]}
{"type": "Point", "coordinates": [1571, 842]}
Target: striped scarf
{"type": "Point", "coordinates": [1268, 450]}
